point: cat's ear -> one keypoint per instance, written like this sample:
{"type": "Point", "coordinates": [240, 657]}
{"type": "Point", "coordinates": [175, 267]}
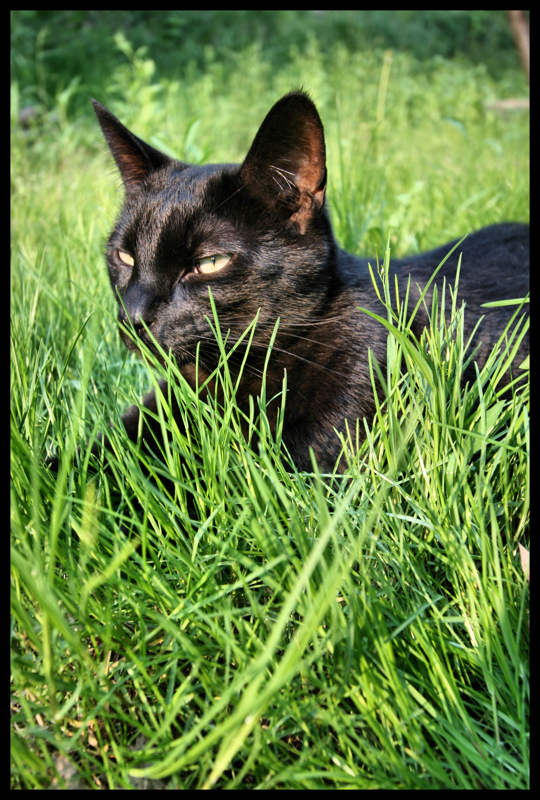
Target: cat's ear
{"type": "Point", "coordinates": [286, 164]}
{"type": "Point", "coordinates": [135, 159]}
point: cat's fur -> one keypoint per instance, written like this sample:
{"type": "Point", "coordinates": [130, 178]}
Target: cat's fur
{"type": "Point", "coordinates": [269, 214]}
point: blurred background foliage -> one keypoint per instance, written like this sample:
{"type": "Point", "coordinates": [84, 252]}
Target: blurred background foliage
{"type": "Point", "coordinates": [51, 49]}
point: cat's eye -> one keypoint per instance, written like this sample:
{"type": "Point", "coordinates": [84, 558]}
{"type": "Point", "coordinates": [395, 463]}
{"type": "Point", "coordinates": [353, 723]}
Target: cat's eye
{"type": "Point", "coordinates": [211, 264]}
{"type": "Point", "coordinates": [125, 258]}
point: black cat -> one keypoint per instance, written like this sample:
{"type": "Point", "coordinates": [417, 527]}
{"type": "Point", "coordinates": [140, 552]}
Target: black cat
{"type": "Point", "coordinates": [259, 235]}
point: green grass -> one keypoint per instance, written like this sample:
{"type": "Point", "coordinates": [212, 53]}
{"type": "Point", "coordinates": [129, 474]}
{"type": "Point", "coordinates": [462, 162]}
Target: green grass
{"type": "Point", "coordinates": [252, 627]}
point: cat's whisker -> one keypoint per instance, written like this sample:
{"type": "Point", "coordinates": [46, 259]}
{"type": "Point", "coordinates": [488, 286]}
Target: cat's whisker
{"type": "Point", "coordinates": [283, 173]}
{"type": "Point", "coordinates": [227, 199]}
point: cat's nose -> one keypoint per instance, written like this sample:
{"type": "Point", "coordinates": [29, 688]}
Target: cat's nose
{"type": "Point", "coordinates": [138, 306]}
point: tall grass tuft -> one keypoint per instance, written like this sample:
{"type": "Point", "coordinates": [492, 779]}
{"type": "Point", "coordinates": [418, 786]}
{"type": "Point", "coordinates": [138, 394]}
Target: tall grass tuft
{"type": "Point", "coordinates": [215, 619]}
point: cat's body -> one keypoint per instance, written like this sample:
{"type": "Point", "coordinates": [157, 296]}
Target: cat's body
{"type": "Point", "coordinates": [258, 234]}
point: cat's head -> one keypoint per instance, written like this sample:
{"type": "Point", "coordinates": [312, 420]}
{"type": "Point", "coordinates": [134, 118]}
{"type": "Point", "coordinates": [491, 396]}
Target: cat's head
{"type": "Point", "coordinates": [257, 234]}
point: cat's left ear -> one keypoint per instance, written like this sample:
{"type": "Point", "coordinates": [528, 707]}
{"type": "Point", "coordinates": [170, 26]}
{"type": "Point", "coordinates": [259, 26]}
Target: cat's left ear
{"type": "Point", "coordinates": [135, 159]}
{"type": "Point", "coordinates": [286, 164]}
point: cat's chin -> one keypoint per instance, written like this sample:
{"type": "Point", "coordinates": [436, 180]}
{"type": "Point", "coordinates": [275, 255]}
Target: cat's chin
{"type": "Point", "coordinates": [193, 376]}
{"type": "Point", "coordinates": [140, 346]}
{"type": "Point", "coordinates": [185, 363]}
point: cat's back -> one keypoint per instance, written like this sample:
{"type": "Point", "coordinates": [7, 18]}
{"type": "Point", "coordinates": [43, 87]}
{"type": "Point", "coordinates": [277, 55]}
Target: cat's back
{"type": "Point", "coordinates": [494, 266]}
{"type": "Point", "coordinates": [495, 263]}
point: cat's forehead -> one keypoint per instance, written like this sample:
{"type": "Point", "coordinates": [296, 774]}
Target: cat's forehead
{"type": "Point", "coordinates": [178, 194]}
{"type": "Point", "coordinates": [176, 203]}
{"type": "Point", "coordinates": [187, 181]}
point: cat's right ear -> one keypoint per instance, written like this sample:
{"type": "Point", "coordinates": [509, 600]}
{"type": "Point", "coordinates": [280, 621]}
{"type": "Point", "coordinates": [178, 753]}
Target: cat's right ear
{"type": "Point", "coordinates": [135, 159]}
{"type": "Point", "coordinates": [286, 164]}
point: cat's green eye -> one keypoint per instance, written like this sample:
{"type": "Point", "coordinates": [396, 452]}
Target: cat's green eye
{"type": "Point", "coordinates": [212, 263]}
{"type": "Point", "coordinates": [125, 258]}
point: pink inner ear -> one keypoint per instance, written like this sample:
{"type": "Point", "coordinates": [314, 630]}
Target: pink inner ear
{"type": "Point", "coordinates": [311, 177]}
{"type": "Point", "coordinates": [133, 168]}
